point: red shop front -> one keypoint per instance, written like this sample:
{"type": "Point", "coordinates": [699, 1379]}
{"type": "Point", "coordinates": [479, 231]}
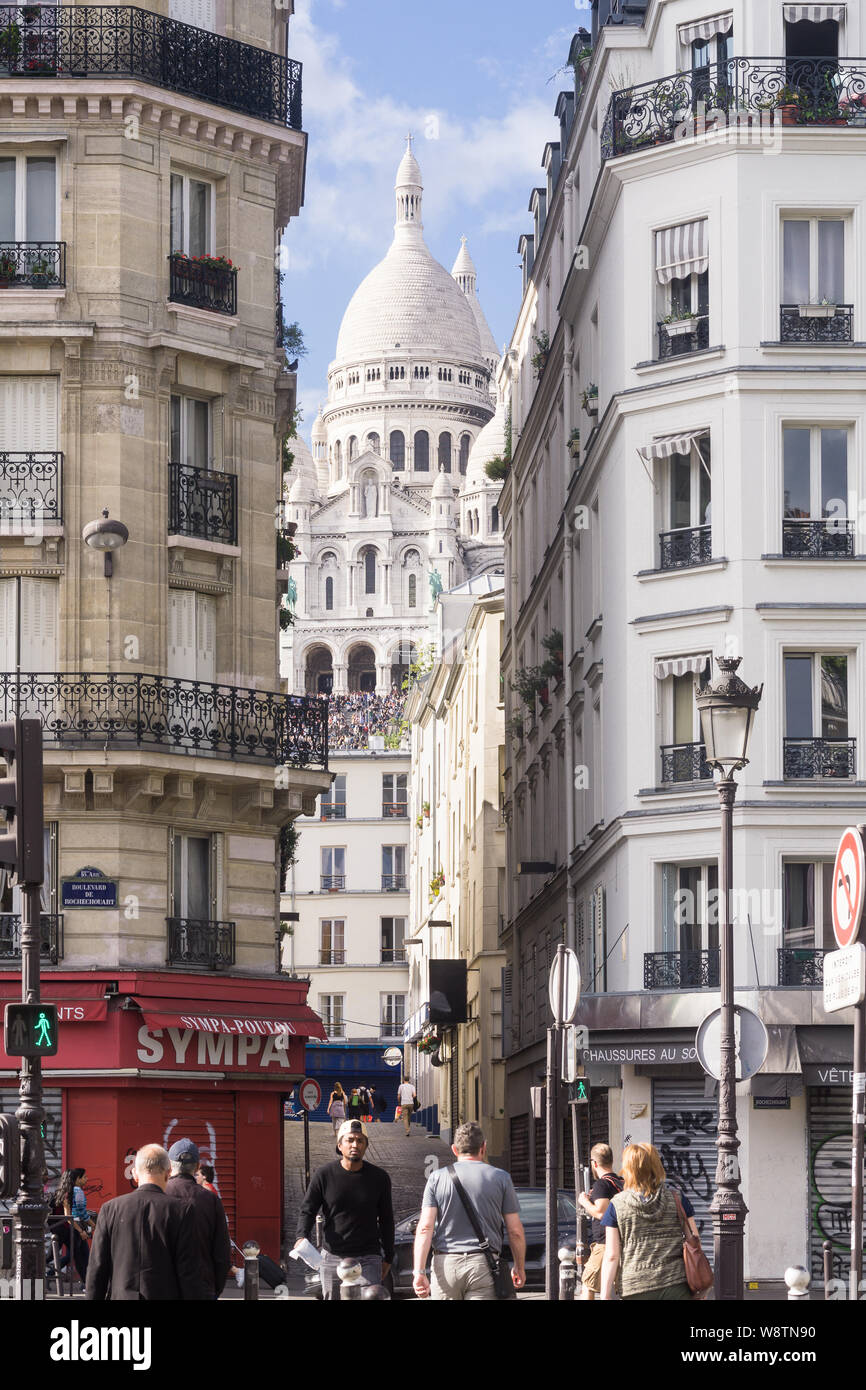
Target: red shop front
{"type": "Point", "coordinates": [150, 1058]}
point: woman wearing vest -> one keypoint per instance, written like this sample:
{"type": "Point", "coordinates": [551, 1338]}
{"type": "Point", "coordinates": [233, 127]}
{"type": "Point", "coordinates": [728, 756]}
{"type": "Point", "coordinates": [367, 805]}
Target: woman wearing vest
{"type": "Point", "coordinates": [643, 1232]}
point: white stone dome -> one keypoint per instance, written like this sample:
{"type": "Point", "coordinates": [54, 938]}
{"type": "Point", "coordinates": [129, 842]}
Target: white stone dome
{"type": "Point", "coordinates": [442, 488]}
{"type": "Point", "coordinates": [304, 470]}
{"type": "Point", "coordinates": [490, 444]}
{"type": "Point", "coordinates": [319, 432]}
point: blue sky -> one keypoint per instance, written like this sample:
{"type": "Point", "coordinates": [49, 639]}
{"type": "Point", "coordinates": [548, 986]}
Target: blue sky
{"type": "Point", "coordinates": [476, 82]}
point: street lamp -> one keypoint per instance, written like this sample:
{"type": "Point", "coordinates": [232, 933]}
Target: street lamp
{"type": "Point", "coordinates": [105, 535]}
{"type": "Point", "coordinates": [727, 711]}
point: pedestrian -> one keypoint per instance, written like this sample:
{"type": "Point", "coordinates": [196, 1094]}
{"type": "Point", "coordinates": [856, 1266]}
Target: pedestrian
{"type": "Point", "coordinates": [375, 1108]}
{"type": "Point", "coordinates": [144, 1246]}
{"type": "Point", "coordinates": [406, 1101]}
{"type": "Point", "coordinates": [355, 1198]}
{"type": "Point", "coordinates": [355, 1107]}
{"type": "Point", "coordinates": [606, 1184]}
{"type": "Point", "coordinates": [213, 1247]}
{"type": "Point", "coordinates": [461, 1269]}
{"type": "Point", "coordinates": [205, 1176]}
{"type": "Point", "coordinates": [337, 1106]}
{"type": "Point", "coordinates": [69, 1201]}
{"type": "Point", "coordinates": [366, 1104]}
{"type": "Point", "coordinates": [643, 1232]}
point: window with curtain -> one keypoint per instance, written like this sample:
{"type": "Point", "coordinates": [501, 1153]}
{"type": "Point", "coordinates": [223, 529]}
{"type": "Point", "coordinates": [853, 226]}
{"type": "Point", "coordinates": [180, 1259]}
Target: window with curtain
{"type": "Point", "coordinates": [816, 695]}
{"type": "Point", "coordinates": [190, 432]}
{"type": "Point", "coordinates": [333, 941]}
{"type": "Point", "coordinates": [28, 197]}
{"type": "Point", "coordinates": [807, 896]}
{"type": "Point", "coordinates": [813, 260]}
{"type": "Point", "coordinates": [192, 213]}
{"type": "Point", "coordinates": [393, 939]}
{"type": "Point", "coordinates": [816, 471]}
{"type": "Point", "coordinates": [690, 907]}
{"type": "Point", "coordinates": [191, 882]}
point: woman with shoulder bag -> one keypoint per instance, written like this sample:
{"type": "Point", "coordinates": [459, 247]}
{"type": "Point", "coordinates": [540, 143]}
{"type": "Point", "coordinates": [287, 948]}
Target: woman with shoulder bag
{"type": "Point", "coordinates": [644, 1233]}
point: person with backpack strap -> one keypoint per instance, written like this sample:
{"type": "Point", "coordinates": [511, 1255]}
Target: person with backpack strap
{"type": "Point", "coordinates": [595, 1203]}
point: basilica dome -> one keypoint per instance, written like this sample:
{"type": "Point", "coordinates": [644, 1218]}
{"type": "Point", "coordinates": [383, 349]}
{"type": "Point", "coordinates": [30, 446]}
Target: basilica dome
{"type": "Point", "coordinates": [490, 444]}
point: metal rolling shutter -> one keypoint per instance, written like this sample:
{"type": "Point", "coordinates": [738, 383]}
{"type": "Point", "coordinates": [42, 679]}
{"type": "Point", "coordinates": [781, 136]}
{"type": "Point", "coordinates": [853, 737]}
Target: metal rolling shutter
{"type": "Point", "coordinates": [519, 1150]}
{"type": "Point", "coordinates": [830, 1179]}
{"type": "Point", "coordinates": [208, 1119]}
{"type": "Point", "coordinates": [684, 1132]}
{"type": "Point", "coordinates": [52, 1133]}
{"type": "Point", "coordinates": [454, 1082]}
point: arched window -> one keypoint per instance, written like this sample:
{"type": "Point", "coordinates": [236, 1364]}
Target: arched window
{"type": "Point", "coordinates": [369, 570]}
{"type": "Point", "coordinates": [351, 447]}
{"type": "Point", "coordinates": [464, 452]}
{"type": "Point", "coordinates": [494, 519]}
{"type": "Point", "coordinates": [413, 590]}
{"type": "Point", "coordinates": [445, 452]}
{"type": "Point", "coordinates": [373, 442]}
{"type": "Point", "coordinates": [422, 452]}
{"type": "Point", "coordinates": [329, 592]}
{"type": "Point", "coordinates": [338, 457]}
{"type": "Point", "coordinates": [397, 449]}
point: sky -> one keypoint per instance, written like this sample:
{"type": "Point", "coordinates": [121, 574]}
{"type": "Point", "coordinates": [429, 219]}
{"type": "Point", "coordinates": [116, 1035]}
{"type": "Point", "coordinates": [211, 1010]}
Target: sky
{"type": "Point", "coordinates": [476, 83]}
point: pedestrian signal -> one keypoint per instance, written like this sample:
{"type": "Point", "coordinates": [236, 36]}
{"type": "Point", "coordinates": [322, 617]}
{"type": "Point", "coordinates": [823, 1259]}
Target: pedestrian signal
{"type": "Point", "coordinates": [10, 1158]}
{"type": "Point", "coordinates": [30, 1030]}
{"type": "Point", "coordinates": [581, 1091]}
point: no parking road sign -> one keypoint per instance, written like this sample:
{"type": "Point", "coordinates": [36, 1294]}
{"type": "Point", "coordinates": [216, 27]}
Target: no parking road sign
{"type": "Point", "coordinates": [310, 1093]}
{"type": "Point", "coordinates": [849, 880]}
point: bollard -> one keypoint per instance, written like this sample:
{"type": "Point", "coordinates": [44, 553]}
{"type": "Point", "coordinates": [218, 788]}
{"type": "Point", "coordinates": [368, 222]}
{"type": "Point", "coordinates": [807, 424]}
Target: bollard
{"type": "Point", "coordinates": [828, 1266]}
{"type": "Point", "coordinates": [372, 1292]}
{"type": "Point", "coordinates": [567, 1274]}
{"type": "Point", "coordinates": [352, 1281]}
{"type": "Point", "coordinates": [251, 1252]}
{"type": "Point", "coordinates": [797, 1278]}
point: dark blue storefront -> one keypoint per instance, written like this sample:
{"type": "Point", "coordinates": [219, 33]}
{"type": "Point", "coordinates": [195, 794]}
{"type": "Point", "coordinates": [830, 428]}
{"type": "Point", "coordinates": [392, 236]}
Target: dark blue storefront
{"type": "Point", "coordinates": [352, 1065]}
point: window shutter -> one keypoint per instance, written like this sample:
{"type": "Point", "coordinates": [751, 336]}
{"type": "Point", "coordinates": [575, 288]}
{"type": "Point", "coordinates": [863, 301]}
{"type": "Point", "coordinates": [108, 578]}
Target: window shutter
{"type": "Point", "coordinates": [205, 657]}
{"type": "Point", "coordinates": [8, 624]}
{"type": "Point", "coordinates": [39, 625]}
{"type": "Point", "coordinates": [599, 941]}
{"type": "Point", "coordinates": [201, 13]}
{"type": "Point", "coordinates": [28, 413]}
{"type": "Point", "coordinates": [181, 634]}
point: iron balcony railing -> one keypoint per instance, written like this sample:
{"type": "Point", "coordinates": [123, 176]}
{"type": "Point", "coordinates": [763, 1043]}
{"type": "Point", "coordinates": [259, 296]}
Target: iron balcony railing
{"type": "Point", "coordinates": [202, 503]}
{"type": "Point", "coordinates": [392, 1027]}
{"type": "Point", "coordinates": [819, 757]}
{"type": "Point", "coordinates": [120, 710]}
{"type": "Point", "coordinates": [684, 762]}
{"type": "Point", "coordinates": [817, 326]}
{"type": "Point", "coordinates": [801, 967]}
{"type": "Point", "coordinates": [332, 957]}
{"type": "Point", "coordinates": [395, 808]}
{"type": "Point", "coordinates": [685, 546]}
{"type": "Point", "coordinates": [681, 969]}
{"type": "Point", "coordinates": [333, 883]}
{"type": "Point", "coordinates": [676, 342]}
{"type": "Point", "coordinates": [393, 883]}
{"type": "Point", "coordinates": [393, 955]}
{"type": "Point", "coordinates": [36, 265]}
{"type": "Point", "coordinates": [50, 930]}
{"type": "Point", "coordinates": [198, 941]}
{"type": "Point", "coordinates": [31, 489]}
{"type": "Point", "coordinates": [808, 539]}
{"type": "Point", "coordinates": [333, 810]}
{"type": "Point", "coordinates": [334, 1030]}
{"type": "Point", "coordinates": [746, 93]}
{"type": "Point", "coordinates": [203, 284]}
{"type": "Point", "coordinates": [124, 41]}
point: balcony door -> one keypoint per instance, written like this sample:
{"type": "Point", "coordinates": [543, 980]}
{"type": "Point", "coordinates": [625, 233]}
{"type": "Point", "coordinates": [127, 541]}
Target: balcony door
{"type": "Point", "coordinates": [192, 216]}
{"type": "Point", "coordinates": [690, 926]}
{"type": "Point", "coordinates": [191, 882]}
{"type": "Point", "coordinates": [28, 198]}
{"type": "Point", "coordinates": [28, 635]}
{"type": "Point", "coordinates": [29, 443]}
{"type": "Point", "coordinates": [191, 635]}
{"type": "Point", "coordinates": [816, 716]}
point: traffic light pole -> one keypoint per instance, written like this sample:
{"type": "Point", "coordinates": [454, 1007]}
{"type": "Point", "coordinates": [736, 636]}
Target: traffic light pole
{"type": "Point", "coordinates": [30, 1208]}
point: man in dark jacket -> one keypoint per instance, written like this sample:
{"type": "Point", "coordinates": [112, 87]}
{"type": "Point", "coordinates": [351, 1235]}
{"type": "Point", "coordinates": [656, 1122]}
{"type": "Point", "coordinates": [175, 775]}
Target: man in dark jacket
{"type": "Point", "coordinates": [213, 1248]}
{"type": "Point", "coordinates": [144, 1245]}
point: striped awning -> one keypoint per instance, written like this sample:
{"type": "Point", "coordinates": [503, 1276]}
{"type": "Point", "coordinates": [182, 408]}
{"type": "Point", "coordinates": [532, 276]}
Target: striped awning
{"type": "Point", "coordinates": [708, 28]}
{"type": "Point", "coordinates": [816, 13]}
{"type": "Point", "coordinates": [670, 444]}
{"type": "Point", "coordinates": [682, 666]}
{"type": "Point", "coordinates": [681, 251]}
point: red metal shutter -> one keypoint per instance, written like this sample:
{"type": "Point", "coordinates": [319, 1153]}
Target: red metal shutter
{"type": "Point", "coordinates": [208, 1119]}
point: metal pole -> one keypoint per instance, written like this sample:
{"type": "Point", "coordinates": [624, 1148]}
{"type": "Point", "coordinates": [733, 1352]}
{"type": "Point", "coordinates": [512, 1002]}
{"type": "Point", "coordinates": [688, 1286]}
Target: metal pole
{"type": "Point", "coordinates": [552, 1146]}
{"type": "Point", "coordinates": [859, 1099]}
{"type": "Point", "coordinates": [728, 1208]}
{"type": "Point", "coordinates": [828, 1266]}
{"type": "Point", "coordinates": [30, 1208]}
{"type": "Point", "coordinates": [579, 1186]}
{"type": "Point", "coordinates": [306, 1148]}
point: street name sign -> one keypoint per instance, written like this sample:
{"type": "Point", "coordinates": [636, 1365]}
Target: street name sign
{"type": "Point", "coordinates": [844, 977]}
{"type": "Point", "coordinates": [849, 883]}
{"type": "Point", "coordinates": [310, 1093]}
{"type": "Point", "coordinates": [565, 965]}
{"type": "Point", "coordinates": [750, 1043]}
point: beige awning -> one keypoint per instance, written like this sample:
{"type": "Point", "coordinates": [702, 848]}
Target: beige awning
{"type": "Point", "coordinates": [670, 444]}
{"type": "Point", "coordinates": [707, 28]}
{"type": "Point", "coordinates": [682, 666]}
{"type": "Point", "coordinates": [816, 13]}
{"type": "Point", "coordinates": [681, 251]}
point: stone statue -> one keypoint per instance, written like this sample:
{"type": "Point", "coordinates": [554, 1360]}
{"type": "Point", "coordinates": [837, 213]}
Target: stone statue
{"type": "Point", "coordinates": [371, 499]}
{"type": "Point", "coordinates": [291, 592]}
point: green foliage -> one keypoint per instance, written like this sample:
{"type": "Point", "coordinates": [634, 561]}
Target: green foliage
{"type": "Point", "coordinates": [10, 43]}
{"type": "Point", "coordinates": [508, 433]}
{"type": "Point", "coordinates": [292, 341]}
{"type": "Point", "coordinates": [497, 468]}
{"type": "Point", "coordinates": [528, 682]}
{"type": "Point", "coordinates": [288, 846]}
{"type": "Point", "coordinates": [542, 350]}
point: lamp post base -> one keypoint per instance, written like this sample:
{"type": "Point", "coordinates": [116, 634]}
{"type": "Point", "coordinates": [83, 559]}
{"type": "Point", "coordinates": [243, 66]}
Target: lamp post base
{"type": "Point", "coordinates": [729, 1213]}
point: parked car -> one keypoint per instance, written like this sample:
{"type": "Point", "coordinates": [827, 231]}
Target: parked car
{"type": "Point", "coordinates": [532, 1213]}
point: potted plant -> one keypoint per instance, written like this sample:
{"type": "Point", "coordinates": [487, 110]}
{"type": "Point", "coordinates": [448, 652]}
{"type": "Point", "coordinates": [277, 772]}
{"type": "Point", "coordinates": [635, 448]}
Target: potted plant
{"type": "Point", "coordinates": [7, 269]}
{"type": "Point", "coordinates": [515, 726]}
{"type": "Point", "coordinates": [680, 322]}
{"type": "Point", "coordinates": [528, 683]}
{"type": "Point", "coordinates": [437, 883]}
{"type": "Point", "coordinates": [540, 356]}
{"type": "Point", "coordinates": [496, 468]}
{"type": "Point", "coordinates": [419, 822]}
{"type": "Point", "coordinates": [30, 14]}
{"type": "Point", "coordinates": [574, 443]}
{"type": "Point", "coordinates": [822, 310]}
{"type": "Point", "coordinates": [40, 272]}
{"type": "Point", "coordinates": [425, 808]}
{"type": "Point", "coordinates": [590, 400]}
{"type": "Point", "coordinates": [853, 109]}
{"type": "Point", "coordinates": [10, 44]}
{"type": "Point", "coordinates": [552, 668]}
{"type": "Point", "coordinates": [430, 1042]}
{"type": "Point", "coordinates": [790, 103]}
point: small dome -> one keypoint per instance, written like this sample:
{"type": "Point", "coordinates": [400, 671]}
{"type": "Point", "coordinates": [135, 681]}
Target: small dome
{"type": "Point", "coordinates": [319, 434]}
{"type": "Point", "coordinates": [302, 490]}
{"type": "Point", "coordinates": [303, 469]}
{"type": "Point", "coordinates": [489, 444]}
{"type": "Point", "coordinates": [442, 488]}
{"type": "Point", "coordinates": [464, 264]}
{"type": "Point", "coordinates": [409, 170]}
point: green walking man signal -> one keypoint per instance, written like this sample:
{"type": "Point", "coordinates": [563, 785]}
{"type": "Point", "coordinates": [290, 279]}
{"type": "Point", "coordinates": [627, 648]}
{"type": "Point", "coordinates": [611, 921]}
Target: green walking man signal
{"type": "Point", "coordinates": [581, 1091]}
{"type": "Point", "coordinates": [30, 1030]}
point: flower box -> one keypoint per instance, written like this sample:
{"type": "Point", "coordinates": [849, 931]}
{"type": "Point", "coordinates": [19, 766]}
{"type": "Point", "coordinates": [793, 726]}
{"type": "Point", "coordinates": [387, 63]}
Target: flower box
{"type": "Point", "coordinates": [680, 328]}
{"type": "Point", "coordinates": [817, 311]}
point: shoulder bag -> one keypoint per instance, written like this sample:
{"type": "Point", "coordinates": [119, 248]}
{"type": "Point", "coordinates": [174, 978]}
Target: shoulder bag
{"type": "Point", "coordinates": [500, 1267]}
{"type": "Point", "coordinates": [699, 1273]}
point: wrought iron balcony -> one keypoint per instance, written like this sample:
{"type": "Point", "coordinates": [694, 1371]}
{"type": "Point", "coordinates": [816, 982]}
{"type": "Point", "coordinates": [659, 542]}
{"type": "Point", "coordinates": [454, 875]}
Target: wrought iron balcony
{"type": "Point", "coordinates": [119, 710]}
{"type": "Point", "coordinates": [332, 957]}
{"type": "Point", "coordinates": [51, 934]}
{"type": "Point", "coordinates": [333, 810]}
{"type": "Point", "coordinates": [31, 489]}
{"type": "Point", "coordinates": [202, 503]}
{"type": "Point", "coordinates": [334, 1030]}
{"type": "Point", "coordinates": [827, 539]}
{"type": "Point", "coordinates": [743, 92]}
{"type": "Point", "coordinates": [393, 955]}
{"type": "Point", "coordinates": [683, 336]}
{"type": "Point", "coordinates": [685, 546]}
{"type": "Point", "coordinates": [391, 1028]}
{"type": "Point", "coordinates": [393, 883]}
{"type": "Point", "coordinates": [203, 284]}
{"type": "Point", "coordinates": [124, 41]}
{"type": "Point", "coordinates": [333, 883]}
{"type": "Point", "coordinates": [395, 808]}
{"type": "Point", "coordinates": [684, 762]}
{"type": "Point", "coordinates": [35, 265]}
{"type": "Point", "coordinates": [197, 941]}
{"type": "Point", "coordinates": [833, 324]}
{"type": "Point", "coordinates": [819, 757]}
{"type": "Point", "coordinates": [681, 969]}
{"type": "Point", "coordinates": [801, 967]}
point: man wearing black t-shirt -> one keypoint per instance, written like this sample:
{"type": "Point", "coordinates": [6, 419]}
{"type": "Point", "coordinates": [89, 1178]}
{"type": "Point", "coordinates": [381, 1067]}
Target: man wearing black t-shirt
{"type": "Point", "coordinates": [605, 1186]}
{"type": "Point", "coordinates": [355, 1198]}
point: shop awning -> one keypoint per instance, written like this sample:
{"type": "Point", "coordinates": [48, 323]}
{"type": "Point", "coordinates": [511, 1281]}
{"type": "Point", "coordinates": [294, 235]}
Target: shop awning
{"type": "Point", "coordinates": [682, 666]}
{"type": "Point", "coordinates": [706, 28]}
{"type": "Point", "coordinates": [78, 1001]}
{"type": "Point", "coordinates": [816, 13]}
{"type": "Point", "coordinates": [682, 251]}
{"type": "Point", "coordinates": [670, 444]}
{"type": "Point", "coordinates": [248, 1020]}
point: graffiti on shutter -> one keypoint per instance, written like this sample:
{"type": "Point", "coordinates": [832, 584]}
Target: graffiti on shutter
{"type": "Point", "coordinates": [830, 1179]}
{"type": "Point", "coordinates": [685, 1122]}
{"type": "Point", "coordinates": [209, 1121]}
{"type": "Point", "coordinates": [519, 1150]}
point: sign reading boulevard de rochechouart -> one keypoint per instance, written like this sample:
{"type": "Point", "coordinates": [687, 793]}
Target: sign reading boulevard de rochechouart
{"type": "Point", "coordinates": [88, 888]}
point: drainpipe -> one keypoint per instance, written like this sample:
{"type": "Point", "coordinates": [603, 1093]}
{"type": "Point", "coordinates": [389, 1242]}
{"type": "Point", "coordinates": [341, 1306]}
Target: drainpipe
{"type": "Point", "coordinates": [568, 620]}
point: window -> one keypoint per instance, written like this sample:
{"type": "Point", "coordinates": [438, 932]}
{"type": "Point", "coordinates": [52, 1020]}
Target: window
{"type": "Point", "coordinates": [29, 624]}
{"type": "Point", "coordinates": [444, 456]}
{"type": "Point", "coordinates": [394, 794]}
{"type": "Point", "coordinates": [710, 54]}
{"type": "Point", "coordinates": [815, 522]}
{"type": "Point", "coordinates": [682, 276]}
{"type": "Point", "coordinates": [333, 946]}
{"type": "Point", "coordinates": [333, 869]}
{"type": "Point", "coordinates": [422, 452]}
{"type": "Point", "coordinates": [334, 806]}
{"type": "Point", "coordinates": [190, 432]}
{"type": "Point", "coordinates": [331, 1012]}
{"type": "Point", "coordinates": [494, 519]}
{"type": "Point", "coordinates": [807, 906]}
{"type": "Point", "coordinates": [465, 442]}
{"type": "Point", "coordinates": [413, 591]}
{"type": "Point", "coordinates": [192, 216]}
{"type": "Point", "coordinates": [393, 868]}
{"type": "Point", "coordinates": [191, 877]}
{"type": "Point", "coordinates": [397, 450]}
{"type": "Point", "coordinates": [682, 750]}
{"type": "Point", "coordinates": [351, 448]}
{"type": "Point", "coordinates": [689, 957]}
{"type": "Point", "coordinates": [329, 592]}
{"type": "Point", "coordinates": [28, 198]}
{"type": "Point", "coordinates": [686, 537]}
{"type": "Point", "coordinates": [393, 936]}
{"type": "Point", "coordinates": [393, 1008]}
{"type": "Point", "coordinates": [813, 281]}
{"type": "Point", "coordinates": [816, 740]}
{"type": "Point", "coordinates": [369, 558]}
{"type": "Point", "coordinates": [373, 442]}
{"type": "Point", "coordinates": [191, 635]}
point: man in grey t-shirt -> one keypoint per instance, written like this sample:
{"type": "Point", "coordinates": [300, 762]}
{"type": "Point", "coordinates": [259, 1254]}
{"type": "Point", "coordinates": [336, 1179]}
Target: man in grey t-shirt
{"type": "Point", "coordinates": [460, 1268]}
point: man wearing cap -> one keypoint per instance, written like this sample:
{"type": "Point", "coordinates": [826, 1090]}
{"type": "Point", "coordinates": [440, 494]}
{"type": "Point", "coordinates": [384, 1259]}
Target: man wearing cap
{"type": "Point", "coordinates": [355, 1197]}
{"type": "Point", "coordinates": [212, 1245]}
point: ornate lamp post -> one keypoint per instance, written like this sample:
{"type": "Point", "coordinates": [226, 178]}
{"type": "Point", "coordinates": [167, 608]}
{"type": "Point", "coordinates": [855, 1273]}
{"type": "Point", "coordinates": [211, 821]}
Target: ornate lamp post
{"type": "Point", "coordinates": [727, 711]}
